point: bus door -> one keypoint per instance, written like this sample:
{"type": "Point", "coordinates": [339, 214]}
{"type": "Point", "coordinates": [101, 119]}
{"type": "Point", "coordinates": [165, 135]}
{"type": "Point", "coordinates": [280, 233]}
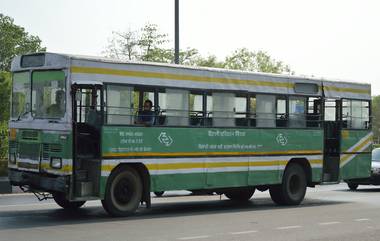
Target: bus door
{"type": "Point", "coordinates": [87, 121]}
{"type": "Point", "coordinates": [331, 153]}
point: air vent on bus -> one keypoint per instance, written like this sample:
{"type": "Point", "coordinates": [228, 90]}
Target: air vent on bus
{"type": "Point", "coordinates": [29, 135]}
{"type": "Point", "coordinates": [45, 151]}
{"type": "Point", "coordinates": [55, 148]}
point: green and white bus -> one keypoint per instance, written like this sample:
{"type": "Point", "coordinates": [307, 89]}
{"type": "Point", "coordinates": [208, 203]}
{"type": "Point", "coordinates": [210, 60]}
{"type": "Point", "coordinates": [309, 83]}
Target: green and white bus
{"type": "Point", "coordinates": [76, 132]}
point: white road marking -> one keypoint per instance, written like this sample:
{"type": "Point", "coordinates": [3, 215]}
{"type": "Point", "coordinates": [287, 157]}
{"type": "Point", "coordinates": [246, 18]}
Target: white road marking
{"type": "Point", "coordinates": [244, 232]}
{"type": "Point", "coordinates": [329, 223]}
{"type": "Point", "coordinates": [194, 237]}
{"type": "Point", "coordinates": [362, 219]}
{"type": "Point", "coordinates": [288, 227]}
{"type": "Point", "coordinates": [38, 204]}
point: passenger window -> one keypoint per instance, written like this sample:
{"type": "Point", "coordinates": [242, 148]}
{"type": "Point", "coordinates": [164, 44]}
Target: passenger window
{"type": "Point", "coordinates": [313, 116]}
{"type": "Point", "coordinates": [281, 117]}
{"type": "Point", "coordinates": [252, 111]}
{"type": "Point", "coordinates": [223, 109]}
{"type": "Point", "coordinates": [297, 112]}
{"type": "Point", "coordinates": [196, 109]}
{"type": "Point", "coordinates": [241, 111]}
{"type": "Point", "coordinates": [355, 114]}
{"type": "Point", "coordinates": [119, 105]}
{"type": "Point", "coordinates": [177, 102]}
{"type": "Point", "coordinates": [266, 111]}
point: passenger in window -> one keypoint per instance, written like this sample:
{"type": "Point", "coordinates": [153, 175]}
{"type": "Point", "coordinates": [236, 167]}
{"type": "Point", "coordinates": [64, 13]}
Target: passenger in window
{"type": "Point", "coordinates": [146, 116]}
{"type": "Point", "coordinates": [57, 109]}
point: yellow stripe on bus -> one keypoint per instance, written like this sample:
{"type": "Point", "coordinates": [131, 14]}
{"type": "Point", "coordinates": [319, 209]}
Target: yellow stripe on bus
{"type": "Point", "coordinates": [356, 149]}
{"type": "Point", "coordinates": [143, 74]}
{"type": "Point", "coordinates": [351, 90]}
{"type": "Point", "coordinates": [191, 165]}
{"type": "Point", "coordinates": [181, 154]}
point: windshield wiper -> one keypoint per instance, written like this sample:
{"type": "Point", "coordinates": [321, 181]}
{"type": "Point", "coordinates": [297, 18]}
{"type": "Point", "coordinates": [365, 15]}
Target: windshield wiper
{"type": "Point", "coordinates": [22, 115]}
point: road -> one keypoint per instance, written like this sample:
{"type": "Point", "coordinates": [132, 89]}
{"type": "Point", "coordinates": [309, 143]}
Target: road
{"type": "Point", "coordinates": [328, 213]}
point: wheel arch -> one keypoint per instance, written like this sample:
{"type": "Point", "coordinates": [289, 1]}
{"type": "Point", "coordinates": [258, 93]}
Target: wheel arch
{"type": "Point", "coordinates": [143, 172]}
{"type": "Point", "coordinates": [305, 164]}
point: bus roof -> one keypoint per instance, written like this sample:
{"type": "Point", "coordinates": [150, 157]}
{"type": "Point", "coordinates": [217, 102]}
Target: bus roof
{"type": "Point", "coordinates": [203, 78]}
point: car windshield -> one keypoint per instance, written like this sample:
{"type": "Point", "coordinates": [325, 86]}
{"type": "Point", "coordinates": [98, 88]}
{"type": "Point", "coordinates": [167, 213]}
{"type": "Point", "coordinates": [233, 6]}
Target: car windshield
{"type": "Point", "coordinates": [20, 94]}
{"type": "Point", "coordinates": [376, 155]}
{"type": "Point", "coordinates": [48, 94]}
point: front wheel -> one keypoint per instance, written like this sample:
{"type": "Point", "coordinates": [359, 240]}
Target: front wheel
{"type": "Point", "coordinates": [60, 199]}
{"type": "Point", "coordinates": [123, 192]}
{"type": "Point", "coordinates": [352, 186]}
{"type": "Point", "coordinates": [292, 190]}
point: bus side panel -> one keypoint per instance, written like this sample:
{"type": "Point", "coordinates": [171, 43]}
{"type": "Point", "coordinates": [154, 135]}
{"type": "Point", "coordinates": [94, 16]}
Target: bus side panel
{"type": "Point", "coordinates": [355, 157]}
{"type": "Point", "coordinates": [206, 158]}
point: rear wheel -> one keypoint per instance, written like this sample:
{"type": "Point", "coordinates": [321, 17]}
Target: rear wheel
{"type": "Point", "coordinates": [240, 195]}
{"type": "Point", "coordinates": [123, 192]}
{"type": "Point", "coordinates": [60, 199]}
{"type": "Point", "coordinates": [353, 186]}
{"type": "Point", "coordinates": [292, 190]}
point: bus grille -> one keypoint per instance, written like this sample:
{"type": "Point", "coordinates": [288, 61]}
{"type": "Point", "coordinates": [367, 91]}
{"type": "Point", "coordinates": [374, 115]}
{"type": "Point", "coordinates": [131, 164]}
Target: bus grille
{"type": "Point", "coordinates": [29, 135]}
{"type": "Point", "coordinates": [29, 150]}
{"type": "Point", "coordinates": [48, 148]}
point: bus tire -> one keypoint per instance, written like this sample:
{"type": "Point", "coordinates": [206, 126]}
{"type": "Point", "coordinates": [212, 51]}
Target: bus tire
{"type": "Point", "coordinates": [123, 192]}
{"type": "Point", "coordinates": [240, 195]}
{"type": "Point", "coordinates": [292, 190]}
{"type": "Point", "coordinates": [352, 186]}
{"type": "Point", "coordinates": [60, 199]}
{"type": "Point", "coordinates": [159, 194]}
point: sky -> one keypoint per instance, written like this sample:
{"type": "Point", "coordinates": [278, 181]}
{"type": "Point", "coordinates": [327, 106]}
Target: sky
{"type": "Point", "coordinates": [332, 39]}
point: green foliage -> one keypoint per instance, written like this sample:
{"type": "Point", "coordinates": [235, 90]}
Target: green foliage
{"type": "Point", "coordinates": [148, 44]}
{"type": "Point", "coordinates": [244, 59]}
{"type": "Point", "coordinates": [5, 95]}
{"type": "Point", "coordinates": [15, 41]}
{"type": "Point", "coordinates": [376, 118]}
{"type": "Point", "coordinates": [3, 142]}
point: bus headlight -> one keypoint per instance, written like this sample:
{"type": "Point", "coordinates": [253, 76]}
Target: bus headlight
{"type": "Point", "coordinates": [56, 162]}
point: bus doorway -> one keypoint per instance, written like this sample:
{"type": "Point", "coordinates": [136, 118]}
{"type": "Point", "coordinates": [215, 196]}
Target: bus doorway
{"type": "Point", "coordinates": [332, 129]}
{"type": "Point", "coordinates": [87, 122]}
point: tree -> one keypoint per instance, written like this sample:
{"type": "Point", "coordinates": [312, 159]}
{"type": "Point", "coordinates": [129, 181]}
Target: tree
{"type": "Point", "coordinates": [376, 118]}
{"type": "Point", "coordinates": [260, 61]}
{"type": "Point", "coordinates": [14, 40]}
{"type": "Point", "coordinates": [146, 44]}
{"type": "Point", "coordinates": [5, 94]}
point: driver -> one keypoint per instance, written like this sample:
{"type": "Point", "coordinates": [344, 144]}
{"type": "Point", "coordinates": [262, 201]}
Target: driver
{"type": "Point", "coordinates": [56, 110]}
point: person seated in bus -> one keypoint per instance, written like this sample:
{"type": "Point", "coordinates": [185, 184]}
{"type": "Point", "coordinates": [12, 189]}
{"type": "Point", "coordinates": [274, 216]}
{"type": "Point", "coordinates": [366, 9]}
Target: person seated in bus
{"type": "Point", "coordinates": [57, 109]}
{"type": "Point", "coordinates": [146, 116]}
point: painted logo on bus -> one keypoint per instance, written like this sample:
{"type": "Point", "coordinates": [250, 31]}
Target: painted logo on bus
{"type": "Point", "coordinates": [165, 139]}
{"type": "Point", "coordinates": [282, 139]}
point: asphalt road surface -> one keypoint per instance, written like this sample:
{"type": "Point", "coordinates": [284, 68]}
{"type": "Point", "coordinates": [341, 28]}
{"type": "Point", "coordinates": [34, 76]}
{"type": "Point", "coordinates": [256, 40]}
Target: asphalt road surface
{"type": "Point", "coordinates": [328, 213]}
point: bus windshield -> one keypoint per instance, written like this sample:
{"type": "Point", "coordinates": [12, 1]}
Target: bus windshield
{"type": "Point", "coordinates": [20, 94]}
{"type": "Point", "coordinates": [48, 94]}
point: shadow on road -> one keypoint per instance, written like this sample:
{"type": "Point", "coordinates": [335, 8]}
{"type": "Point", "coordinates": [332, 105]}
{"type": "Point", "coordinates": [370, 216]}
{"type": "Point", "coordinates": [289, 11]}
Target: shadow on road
{"type": "Point", "coordinates": [57, 217]}
{"type": "Point", "coordinates": [363, 190]}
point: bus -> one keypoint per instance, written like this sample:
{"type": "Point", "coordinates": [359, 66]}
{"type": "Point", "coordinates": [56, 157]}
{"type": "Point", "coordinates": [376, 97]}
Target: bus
{"type": "Point", "coordinates": [89, 128]}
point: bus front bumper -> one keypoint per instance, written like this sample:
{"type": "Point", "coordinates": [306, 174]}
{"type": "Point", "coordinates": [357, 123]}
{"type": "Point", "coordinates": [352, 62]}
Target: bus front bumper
{"type": "Point", "coordinates": [38, 182]}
